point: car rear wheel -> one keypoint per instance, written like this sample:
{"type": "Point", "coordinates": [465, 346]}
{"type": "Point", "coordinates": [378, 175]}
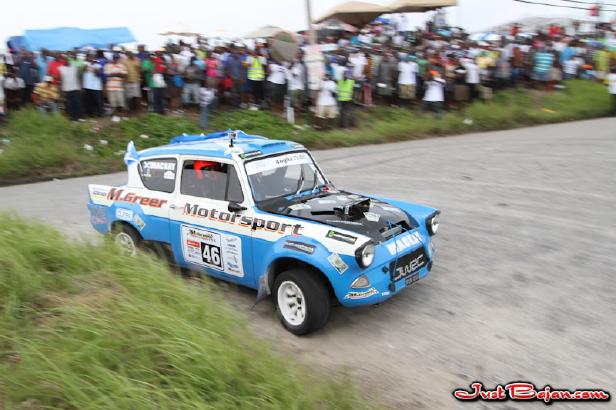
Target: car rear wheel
{"type": "Point", "coordinates": [302, 301]}
{"type": "Point", "coordinates": [127, 239]}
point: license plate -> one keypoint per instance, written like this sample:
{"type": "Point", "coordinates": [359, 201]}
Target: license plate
{"type": "Point", "coordinates": [412, 279]}
{"type": "Point", "coordinates": [408, 265]}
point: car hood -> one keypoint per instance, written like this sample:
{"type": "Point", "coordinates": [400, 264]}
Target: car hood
{"type": "Point", "coordinates": [360, 214]}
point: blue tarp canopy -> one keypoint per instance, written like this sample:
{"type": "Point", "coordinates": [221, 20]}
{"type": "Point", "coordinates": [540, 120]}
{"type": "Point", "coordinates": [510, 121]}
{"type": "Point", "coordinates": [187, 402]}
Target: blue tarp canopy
{"type": "Point", "coordinates": [16, 43]}
{"type": "Point", "coordinates": [67, 38]}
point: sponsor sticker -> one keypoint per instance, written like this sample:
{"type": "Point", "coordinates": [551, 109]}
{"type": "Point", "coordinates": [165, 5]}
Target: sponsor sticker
{"type": "Point", "coordinates": [159, 165]}
{"type": "Point", "coordinates": [390, 209]}
{"type": "Point", "coordinates": [372, 217]}
{"type": "Point", "coordinates": [336, 221]}
{"type": "Point", "coordinates": [124, 214]}
{"type": "Point", "coordinates": [361, 295]}
{"type": "Point", "coordinates": [326, 201]}
{"type": "Point", "coordinates": [342, 237]}
{"type": "Point", "coordinates": [169, 175]}
{"type": "Point", "coordinates": [336, 261]}
{"type": "Point", "coordinates": [299, 207]}
{"type": "Point", "coordinates": [214, 250]}
{"type": "Point", "coordinates": [403, 243]}
{"type": "Point", "coordinates": [98, 215]}
{"type": "Point", "coordinates": [300, 247]}
{"type": "Point", "coordinates": [268, 164]}
{"type": "Point", "coordinates": [139, 222]}
{"type": "Point", "coordinates": [98, 194]}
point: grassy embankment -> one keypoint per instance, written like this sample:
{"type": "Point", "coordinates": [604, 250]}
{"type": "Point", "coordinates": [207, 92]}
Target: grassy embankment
{"type": "Point", "coordinates": [44, 148]}
{"type": "Point", "coordinates": [82, 327]}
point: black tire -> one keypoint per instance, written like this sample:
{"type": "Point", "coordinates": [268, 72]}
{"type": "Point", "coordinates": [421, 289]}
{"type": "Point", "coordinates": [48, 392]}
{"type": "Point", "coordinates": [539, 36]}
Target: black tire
{"type": "Point", "coordinates": [132, 233]}
{"type": "Point", "coordinates": [317, 300]}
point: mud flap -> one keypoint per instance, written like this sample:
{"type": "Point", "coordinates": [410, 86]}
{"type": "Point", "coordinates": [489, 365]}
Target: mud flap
{"type": "Point", "coordinates": [263, 291]}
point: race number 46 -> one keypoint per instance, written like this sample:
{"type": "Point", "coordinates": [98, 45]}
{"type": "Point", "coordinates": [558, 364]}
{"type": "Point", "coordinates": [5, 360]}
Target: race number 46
{"type": "Point", "coordinates": [211, 254]}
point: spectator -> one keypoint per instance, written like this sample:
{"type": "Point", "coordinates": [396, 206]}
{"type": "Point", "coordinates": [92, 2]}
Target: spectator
{"type": "Point", "coordinates": [193, 76]}
{"type": "Point", "coordinates": [326, 103]}
{"type": "Point", "coordinates": [158, 85]}
{"type": "Point", "coordinates": [472, 78]}
{"type": "Point", "coordinates": [571, 67]}
{"type": "Point", "coordinates": [236, 72]}
{"type": "Point", "coordinates": [407, 78]}
{"type": "Point", "coordinates": [14, 87]}
{"type": "Point", "coordinates": [47, 95]}
{"type": "Point", "coordinates": [345, 100]}
{"type": "Point", "coordinates": [277, 84]}
{"type": "Point", "coordinates": [147, 72]}
{"type": "Point", "coordinates": [385, 78]}
{"type": "Point", "coordinates": [69, 79]}
{"type": "Point", "coordinates": [93, 87]}
{"type": "Point", "coordinates": [133, 82]}
{"type": "Point", "coordinates": [544, 60]}
{"type": "Point", "coordinates": [2, 99]}
{"type": "Point", "coordinates": [27, 70]}
{"type": "Point", "coordinates": [115, 73]}
{"type": "Point", "coordinates": [297, 82]}
{"type": "Point", "coordinates": [206, 97]}
{"type": "Point", "coordinates": [433, 100]}
{"type": "Point", "coordinates": [255, 64]}
{"type": "Point", "coordinates": [611, 80]}
{"type": "Point", "coordinates": [175, 83]}
{"type": "Point", "coordinates": [211, 71]}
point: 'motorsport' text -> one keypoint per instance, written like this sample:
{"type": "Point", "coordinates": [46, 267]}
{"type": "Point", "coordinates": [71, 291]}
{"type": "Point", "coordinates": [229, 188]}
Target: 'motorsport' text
{"type": "Point", "coordinates": [242, 220]}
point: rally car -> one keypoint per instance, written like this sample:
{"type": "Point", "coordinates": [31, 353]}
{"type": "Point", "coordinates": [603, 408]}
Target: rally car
{"type": "Point", "coordinates": [261, 213]}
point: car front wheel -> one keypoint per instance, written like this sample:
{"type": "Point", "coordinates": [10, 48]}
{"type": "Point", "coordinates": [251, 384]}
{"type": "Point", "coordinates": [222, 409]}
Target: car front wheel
{"type": "Point", "coordinates": [302, 301]}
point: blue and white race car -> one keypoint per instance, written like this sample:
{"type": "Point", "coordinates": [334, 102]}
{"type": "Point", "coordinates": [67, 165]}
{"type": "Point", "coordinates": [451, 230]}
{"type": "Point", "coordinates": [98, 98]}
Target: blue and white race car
{"type": "Point", "coordinates": [262, 214]}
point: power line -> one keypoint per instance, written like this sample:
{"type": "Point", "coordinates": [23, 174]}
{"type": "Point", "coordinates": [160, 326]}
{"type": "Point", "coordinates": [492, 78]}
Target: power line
{"type": "Point", "coordinates": [559, 5]}
{"type": "Point", "coordinates": [594, 3]}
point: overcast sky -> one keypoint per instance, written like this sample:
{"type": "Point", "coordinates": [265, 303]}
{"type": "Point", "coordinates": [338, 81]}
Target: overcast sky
{"type": "Point", "coordinates": [146, 18]}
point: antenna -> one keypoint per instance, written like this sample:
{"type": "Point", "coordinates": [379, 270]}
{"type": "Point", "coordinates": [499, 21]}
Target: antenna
{"type": "Point", "coordinates": [232, 136]}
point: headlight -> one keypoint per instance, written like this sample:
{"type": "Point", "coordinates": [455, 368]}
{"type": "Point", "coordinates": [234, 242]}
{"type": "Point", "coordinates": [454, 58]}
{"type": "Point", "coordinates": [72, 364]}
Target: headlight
{"type": "Point", "coordinates": [432, 224]}
{"type": "Point", "coordinates": [365, 255]}
{"type": "Point", "coordinates": [361, 282]}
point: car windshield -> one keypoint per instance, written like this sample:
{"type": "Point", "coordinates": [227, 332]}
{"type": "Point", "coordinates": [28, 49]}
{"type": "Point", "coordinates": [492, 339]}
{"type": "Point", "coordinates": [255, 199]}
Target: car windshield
{"type": "Point", "coordinates": [284, 175]}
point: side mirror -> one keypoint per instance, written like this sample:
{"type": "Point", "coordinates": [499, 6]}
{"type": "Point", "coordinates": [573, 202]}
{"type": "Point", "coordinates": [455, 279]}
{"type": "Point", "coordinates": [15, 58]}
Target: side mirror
{"type": "Point", "coordinates": [234, 207]}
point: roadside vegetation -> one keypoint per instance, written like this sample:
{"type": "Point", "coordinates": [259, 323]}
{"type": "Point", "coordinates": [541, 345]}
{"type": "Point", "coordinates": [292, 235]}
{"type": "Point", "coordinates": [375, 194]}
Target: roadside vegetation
{"type": "Point", "coordinates": [38, 148]}
{"type": "Point", "coordinates": [83, 327]}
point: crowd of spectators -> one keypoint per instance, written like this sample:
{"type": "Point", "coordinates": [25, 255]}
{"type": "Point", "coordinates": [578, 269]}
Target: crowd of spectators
{"type": "Point", "coordinates": [438, 68]}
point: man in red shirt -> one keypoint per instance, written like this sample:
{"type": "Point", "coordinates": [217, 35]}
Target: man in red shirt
{"type": "Point", "coordinates": [53, 69]}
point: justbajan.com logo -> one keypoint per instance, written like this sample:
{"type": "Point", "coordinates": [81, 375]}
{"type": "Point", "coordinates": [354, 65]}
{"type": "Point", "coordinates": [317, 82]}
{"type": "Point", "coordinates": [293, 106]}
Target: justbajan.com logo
{"type": "Point", "coordinates": [525, 391]}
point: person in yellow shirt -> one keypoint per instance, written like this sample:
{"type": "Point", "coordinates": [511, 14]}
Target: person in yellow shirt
{"type": "Point", "coordinates": [47, 95]}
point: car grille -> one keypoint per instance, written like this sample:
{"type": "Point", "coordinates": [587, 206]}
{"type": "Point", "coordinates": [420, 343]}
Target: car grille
{"type": "Point", "coordinates": [408, 264]}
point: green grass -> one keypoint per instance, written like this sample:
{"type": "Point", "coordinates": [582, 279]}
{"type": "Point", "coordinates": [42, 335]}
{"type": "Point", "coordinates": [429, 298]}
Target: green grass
{"type": "Point", "coordinates": [82, 327]}
{"type": "Point", "coordinates": [49, 147]}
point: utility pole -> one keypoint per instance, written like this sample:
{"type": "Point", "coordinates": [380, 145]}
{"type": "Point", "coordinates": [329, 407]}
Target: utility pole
{"type": "Point", "coordinates": [311, 34]}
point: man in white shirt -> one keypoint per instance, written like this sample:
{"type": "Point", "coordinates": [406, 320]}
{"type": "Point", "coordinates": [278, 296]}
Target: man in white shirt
{"type": "Point", "coordinates": [93, 87]}
{"type": "Point", "coordinates": [2, 109]}
{"type": "Point", "coordinates": [71, 87]}
{"type": "Point", "coordinates": [206, 97]}
{"type": "Point", "coordinates": [326, 102]}
{"type": "Point", "coordinates": [296, 76]}
{"type": "Point", "coordinates": [358, 61]}
{"type": "Point", "coordinates": [611, 81]}
{"type": "Point", "coordinates": [435, 96]}
{"type": "Point", "coordinates": [571, 67]}
{"type": "Point", "coordinates": [14, 87]}
{"type": "Point", "coordinates": [407, 78]}
{"type": "Point", "coordinates": [472, 77]}
{"type": "Point", "coordinates": [277, 84]}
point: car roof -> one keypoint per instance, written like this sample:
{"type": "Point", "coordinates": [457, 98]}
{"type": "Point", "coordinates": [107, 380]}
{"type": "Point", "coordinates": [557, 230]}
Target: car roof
{"type": "Point", "coordinates": [218, 145]}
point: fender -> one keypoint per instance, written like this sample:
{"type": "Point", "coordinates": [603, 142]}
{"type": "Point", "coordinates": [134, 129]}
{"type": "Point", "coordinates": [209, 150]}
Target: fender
{"type": "Point", "coordinates": [415, 211]}
{"type": "Point", "coordinates": [303, 249]}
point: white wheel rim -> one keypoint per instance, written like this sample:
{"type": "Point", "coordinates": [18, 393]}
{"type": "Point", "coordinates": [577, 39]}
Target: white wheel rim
{"type": "Point", "coordinates": [126, 243]}
{"type": "Point", "coordinates": [291, 303]}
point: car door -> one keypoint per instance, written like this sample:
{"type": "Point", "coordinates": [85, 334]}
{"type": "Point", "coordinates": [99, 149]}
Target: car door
{"type": "Point", "coordinates": [206, 234]}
